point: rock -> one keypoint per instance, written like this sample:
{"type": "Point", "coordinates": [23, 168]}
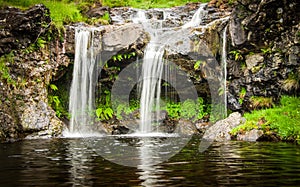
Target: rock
{"type": "Point", "coordinates": [253, 60]}
{"type": "Point", "coordinates": [120, 130]}
{"type": "Point", "coordinates": [220, 130]}
{"type": "Point", "coordinates": [186, 127]}
{"type": "Point", "coordinates": [19, 29]}
{"type": "Point", "coordinates": [236, 30]}
{"type": "Point", "coordinates": [97, 11]}
{"type": "Point", "coordinates": [250, 136]}
{"type": "Point", "coordinates": [123, 37]}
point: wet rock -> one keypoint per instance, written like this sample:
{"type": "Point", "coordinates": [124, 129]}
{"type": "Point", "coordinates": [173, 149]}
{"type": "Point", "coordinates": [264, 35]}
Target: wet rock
{"type": "Point", "coordinates": [251, 136]}
{"type": "Point", "coordinates": [120, 130]}
{"type": "Point", "coordinates": [220, 130]}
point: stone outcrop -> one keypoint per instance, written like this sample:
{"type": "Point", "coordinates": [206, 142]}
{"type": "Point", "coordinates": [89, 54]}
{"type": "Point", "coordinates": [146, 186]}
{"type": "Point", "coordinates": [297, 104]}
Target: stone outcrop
{"type": "Point", "coordinates": [220, 130]}
{"type": "Point", "coordinates": [19, 29]}
{"type": "Point", "coordinates": [264, 54]}
{"type": "Point", "coordinates": [26, 74]}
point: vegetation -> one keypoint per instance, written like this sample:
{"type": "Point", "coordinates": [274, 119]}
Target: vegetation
{"type": "Point", "coordinates": [4, 71]}
{"type": "Point", "coordinates": [282, 120]}
{"type": "Point", "coordinates": [61, 12]}
{"type": "Point", "coordinates": [258, 102]}
{"type": "Point", "coordinates": [58, 99]}
{"type": "Point", "coordinates": [292, 83]}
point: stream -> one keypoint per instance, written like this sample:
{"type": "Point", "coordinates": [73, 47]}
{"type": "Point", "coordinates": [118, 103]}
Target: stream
{"type": "Point", "coordinates": [76, 162]}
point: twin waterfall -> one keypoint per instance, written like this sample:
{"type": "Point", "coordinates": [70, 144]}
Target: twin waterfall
{"type": "Point", "coordinates": [82, 93]}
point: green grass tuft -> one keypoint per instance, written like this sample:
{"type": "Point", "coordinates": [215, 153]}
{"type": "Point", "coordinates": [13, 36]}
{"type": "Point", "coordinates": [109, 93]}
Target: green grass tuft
{"type": "Point", "coordinates": [283, 119]}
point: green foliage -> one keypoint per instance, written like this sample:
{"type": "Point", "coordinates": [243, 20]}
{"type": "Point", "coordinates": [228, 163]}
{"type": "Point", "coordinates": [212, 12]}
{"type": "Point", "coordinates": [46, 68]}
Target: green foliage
{"type": "Point", "coordinates": [104, 110]}
{"type": "Point", "coordinates": [283, 119]}
{"type": "Point", "coordinates": [4, 70]}
{"type": "Point", "coordinates": [40, 43]}
{"type": "Point", "coordinates": [198, 64]}
{"type": "Point", "coordinates": [173, 110]}
{"type": "Point", "coordinates": [53, 87]}
{"type": "Point", "coordinates": [58, 100]}
{"type": "Point", "coordinates": [267, 50]}
{"type": "Point", "coordinates": [124, 109]}
{"type": "Point", "coordinates": [189, 109]}
{"type": "Point", "coordinates": [237, 54]}
{"type": "Point", "coordinates": [104, 113]}
{"type": "Point", "coordinates": [242, 95]}
{"type": "Point", "coordinates": [120, 57]}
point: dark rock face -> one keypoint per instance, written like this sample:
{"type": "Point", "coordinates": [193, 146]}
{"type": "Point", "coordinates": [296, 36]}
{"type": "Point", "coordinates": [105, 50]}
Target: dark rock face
{"type": "Point", "coordinates": [24, 108]}
{"type": "Point", "coordinates": [265, 50]}
{"type": "Point", "coordinates": [18, 29]}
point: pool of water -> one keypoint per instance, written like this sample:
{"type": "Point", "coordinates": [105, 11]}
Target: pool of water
{"type": "Point", "coordinates": [90, 162]}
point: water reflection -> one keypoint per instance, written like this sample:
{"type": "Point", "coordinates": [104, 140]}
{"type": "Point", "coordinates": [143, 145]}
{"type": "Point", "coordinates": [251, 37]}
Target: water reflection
{"type": "Point", "coordinates": [136, 149]}
{"type": "Point", "coordinates": [78, 157]}
{"type": "Point", "coordinates": [76, 162]}
{"type": "Point", "coordinates": [149, 156]}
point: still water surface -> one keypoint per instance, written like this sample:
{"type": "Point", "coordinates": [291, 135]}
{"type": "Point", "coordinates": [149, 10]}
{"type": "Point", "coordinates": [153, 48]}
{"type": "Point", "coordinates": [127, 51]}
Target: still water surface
{"type": "Point", "coordinates": [75, 162]}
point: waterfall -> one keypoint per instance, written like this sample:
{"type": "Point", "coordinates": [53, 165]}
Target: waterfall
{"type": "Point", "coordinates": [197, 17]}
{"type": "Point", "coordinates": [82, 91]}
{"type": "Point", "coordinates": [153, 62]}
{"type": "Point", "coordinates": [152, 70]}
{"type": "Point", "coordinates": [224, 65]}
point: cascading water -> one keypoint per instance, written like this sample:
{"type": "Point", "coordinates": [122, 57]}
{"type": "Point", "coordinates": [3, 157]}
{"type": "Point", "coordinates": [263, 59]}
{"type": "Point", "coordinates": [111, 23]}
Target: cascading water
{"type": "Point", "coordinates": [151, 72]}
{"type": "Point", "coordinates": [82, 93]}
{"type": "Point", "coordinates": [224, 65]}
{"type": "Point", "coordinates": [152, 69]}
{"type": "Point", "coordinates": [197, 17]}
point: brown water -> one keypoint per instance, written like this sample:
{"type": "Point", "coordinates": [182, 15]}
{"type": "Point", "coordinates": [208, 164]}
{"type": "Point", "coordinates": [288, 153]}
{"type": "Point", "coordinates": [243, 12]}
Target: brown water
{"type": "Point", "coordinates": [75, 162]}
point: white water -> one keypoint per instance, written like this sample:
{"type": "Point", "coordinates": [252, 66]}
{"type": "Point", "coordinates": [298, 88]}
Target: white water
{"type": "Point", "coordinates": [151, 71]}
{"type": "Point", "coordinates": [197, 17]}
{"type": "Point", "coordinates": [153, 66]}
{"type": "Point", "coordinates": [224, 65]}
{"type": "Point", "coordinates": [82, 88]}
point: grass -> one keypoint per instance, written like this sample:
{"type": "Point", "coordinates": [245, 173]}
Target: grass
{"type": "Point", "coordinates": [61, 12]}
{"type": "Point", "coordinates": [283, 119]}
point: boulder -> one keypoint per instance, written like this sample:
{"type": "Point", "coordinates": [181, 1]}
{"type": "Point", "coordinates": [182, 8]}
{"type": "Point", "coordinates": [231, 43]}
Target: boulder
{"type": "Point", "coordinates": [220, 130]}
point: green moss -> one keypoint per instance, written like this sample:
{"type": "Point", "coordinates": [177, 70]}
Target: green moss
{"type": "Point", "coordinates": [4, 70]}
{"type": "Point", "coordinates": [282, 119]}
